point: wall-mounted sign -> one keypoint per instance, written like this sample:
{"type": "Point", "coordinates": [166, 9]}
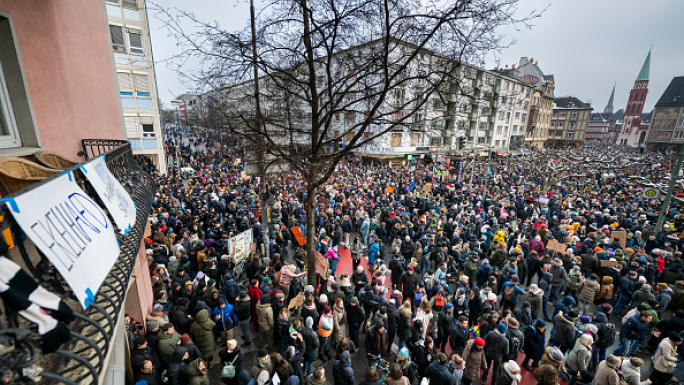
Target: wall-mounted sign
{"type": "Point", "coordinates": [71, 230]}
{"type": "Point", "coordinates": [650, 193]}
{"type": "Point", "coordinates": [112, 193]}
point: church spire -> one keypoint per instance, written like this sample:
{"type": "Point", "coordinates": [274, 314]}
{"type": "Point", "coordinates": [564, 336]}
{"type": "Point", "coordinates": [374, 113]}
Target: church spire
{"type": "Point", "coordinates": [609, 106]}
{"type": "Point", "coordinates": [646, 68]}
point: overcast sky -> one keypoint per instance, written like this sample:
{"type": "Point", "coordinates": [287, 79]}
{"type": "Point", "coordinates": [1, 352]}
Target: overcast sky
{"type": "Point", "coordinates": [587, 44]}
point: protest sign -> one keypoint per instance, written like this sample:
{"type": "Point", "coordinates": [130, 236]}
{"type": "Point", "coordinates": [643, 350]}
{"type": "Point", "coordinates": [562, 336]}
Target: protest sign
{"type": "Point", "coordinates": [621, 235]}
{"type": "Point", "coordinates": [609, 263]}
{"type": "Point", "coordinates": [240, 246]}
{"type": "Point", "coordinates": [556, 246]}
{"type": "Point", "coordinates": [71, 230]}
{"type": "Point", "coordinates": [322, 264]}
{"type": "Point", "coordinates": [298, 235]}
{"type": "Point", "coordinates": [111, 192]}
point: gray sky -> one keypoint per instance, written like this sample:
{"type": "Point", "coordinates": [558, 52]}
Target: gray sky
{"type": "Point", "coordinates": [587, 44]}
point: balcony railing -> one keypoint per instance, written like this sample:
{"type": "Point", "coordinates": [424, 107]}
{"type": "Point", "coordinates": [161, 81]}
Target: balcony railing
{"type": "Point", "coordinates": [82, 358]}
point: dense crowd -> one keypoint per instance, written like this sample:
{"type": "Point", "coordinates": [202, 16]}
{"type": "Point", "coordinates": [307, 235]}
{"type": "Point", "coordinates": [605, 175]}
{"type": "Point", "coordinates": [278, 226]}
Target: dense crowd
{"type": "Point", "coordinates": [447, 283]}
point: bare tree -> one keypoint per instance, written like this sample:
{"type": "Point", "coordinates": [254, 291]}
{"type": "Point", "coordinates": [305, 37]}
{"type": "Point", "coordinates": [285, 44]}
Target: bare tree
{"type": "Point", "coordinates": [335, 75]}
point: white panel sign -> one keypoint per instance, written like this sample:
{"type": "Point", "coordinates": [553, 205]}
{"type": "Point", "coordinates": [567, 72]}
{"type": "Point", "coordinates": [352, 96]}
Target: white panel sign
{"type": "Point", "coordinates": [113, 194]}
{"type": "Point", "coordinates": [71, 230]}
{"type": "Point", "coordinates": [239, 245]}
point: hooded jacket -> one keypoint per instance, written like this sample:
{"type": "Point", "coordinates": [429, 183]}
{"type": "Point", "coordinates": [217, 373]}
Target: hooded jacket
{"type": "Point", "coordinates": [202, 334]}
{"type": "Point", "coordinates": [642, 295]}
{"type": "Point", "coordinates": [474, 360]}
{"type": "Point", "coordinates": [607, 289]}
{"type": "Point", "coordinates": [265, 314]}
{"type": "Point", "coordinates": [496, 345]}
{"type": "Point", "coordinates": [167, 345]}
{"type": "Point", "coordinates": [196, 377]}
{"type": "Point", "coordinates": [177, 370]}
{"type": "Point", "coordinates": [564, 331]}
{"type": "Point", "coordinates": [579, 357]}
{"type": "Point", "coordinates": [587, 291]}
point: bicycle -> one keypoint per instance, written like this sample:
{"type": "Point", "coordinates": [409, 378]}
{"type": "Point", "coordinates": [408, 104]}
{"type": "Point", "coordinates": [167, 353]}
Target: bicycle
{"type": "Point", "coordinates": [380, 364]}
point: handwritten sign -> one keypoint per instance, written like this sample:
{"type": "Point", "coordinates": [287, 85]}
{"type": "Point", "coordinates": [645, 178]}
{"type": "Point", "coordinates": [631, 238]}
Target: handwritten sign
{"type": "Point", "coordinates": [427, 188]}
{"type": "Point", "coordinates": [71, 230]}
{"type": "Point", "coordinates": [609, 263]}
{"type": "Point", "coordinates": [113, 195]}
{"type": "Point", "coordinates": [298, 235]}
{"type": "Point", "coordinates": [556, 246]}
{"type": "Point", "coordinates": [621, 235]}
{"type": "Point", "coordinates": [543, 200]}
{"type": "Point", "coordinates": [239, 246]}
{"type": "Point", "coordinates": [322, 264]}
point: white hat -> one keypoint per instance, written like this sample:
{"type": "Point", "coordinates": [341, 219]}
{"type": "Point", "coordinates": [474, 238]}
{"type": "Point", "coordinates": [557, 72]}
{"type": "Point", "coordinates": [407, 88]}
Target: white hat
{"type": "Point", "coordinates": [491, 296]}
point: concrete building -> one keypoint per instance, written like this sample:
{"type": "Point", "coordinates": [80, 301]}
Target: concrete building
{"type": "Point", "coordinates": [58, 93]}
{"type": "Point", "coordinates": [633, 133]}
{"type": "Point", "coordinates": [132, 49]}
{"type": "Point", "coordinates": [667, 127]}
{"type": "Point", "coordinates": [185, 109]}
{"type": "Point", "coordinates": [569, 122]}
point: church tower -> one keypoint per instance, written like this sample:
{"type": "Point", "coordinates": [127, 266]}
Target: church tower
{"type": "Point", "coordinates": [609, 106]}
{"type": "Point", "coordinates": [631, 132]}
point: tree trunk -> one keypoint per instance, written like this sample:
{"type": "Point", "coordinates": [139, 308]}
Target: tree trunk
{"type": "Point", "coordinates": [311, 234]}
{"type": "Point", "coordinates": [264, 209]}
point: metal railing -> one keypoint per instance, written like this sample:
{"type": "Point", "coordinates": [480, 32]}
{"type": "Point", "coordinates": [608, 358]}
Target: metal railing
{"type": "Point", "coordinates": [81, 359]}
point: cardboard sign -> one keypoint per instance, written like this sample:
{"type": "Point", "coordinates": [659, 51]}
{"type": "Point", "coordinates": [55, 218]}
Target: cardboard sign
{"type": "Point", "coordinates": [322, 264]}
{"type": "Point", "coordinates": [297, 301]}
{"type": "Point", "coordinates": [556, 246]}
{"type": "Point", "coordinates": [427, 188]}
{"type": "Point", "coordinates": [609, 263]}
{"type": "Point", "coordinates": [111, 192]}
{"type": "Point", "coordinates": [301, 241]}
{"type": "Point", "coordinates": [621, 235]}
{"type": "Point", "coordinates": [72, 231]}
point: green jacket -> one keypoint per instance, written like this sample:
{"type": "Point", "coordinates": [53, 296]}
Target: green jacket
{"type": "Point", "coordinates": [167, 345]}
{"type": "Point", "coordinates": [195, 376]}
{"type": "Point", "coordinates": [579, 357]}
{"type": "Point", "coordinates": [202, 334]}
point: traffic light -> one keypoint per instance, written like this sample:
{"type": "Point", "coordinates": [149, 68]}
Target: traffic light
{"type": "Point", "coordinates": [461, 143]}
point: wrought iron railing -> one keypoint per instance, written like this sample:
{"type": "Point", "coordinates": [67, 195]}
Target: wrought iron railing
{"type": "Point", "coordinates": [80, 360]}
{"type": "Point", "coordinates": [95, 147]}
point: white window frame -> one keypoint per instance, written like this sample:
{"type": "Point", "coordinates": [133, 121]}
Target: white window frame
{"type": "Point", "coordinates": [116, 47]}
{"type": "Point", "coordinates": [138, 50]}
{"type": "Point", "coordinates": [12, 138]}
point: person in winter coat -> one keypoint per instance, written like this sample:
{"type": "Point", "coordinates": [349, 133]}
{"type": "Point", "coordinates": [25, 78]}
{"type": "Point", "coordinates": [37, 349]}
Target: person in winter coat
{"type": "Point", "coordinates": [459, 335]}
{"type": "Point", "coordinates": [663, 297]}
{"type": "Point", "coordinates": [524, 314]}
{"type": "Point", "coordinates": [607, 371]}
{"type": "Point", "coordinates": [225, 318]}
{"type": "Point", "coordinates": [510, 374]}
{"type": "Point", "coordinates": [438, 373]}
{"type": "Point", "coordinates": [197, 373]}
{"type": "Point", "coordinates": [606, 338]}
{"type": "Point", "coordinates": [496, 348]}
{"type": "Point", "coordinates": [586, 294]}
{"type": "Point", "coordinates": [311, 344]}
{"type": "Point", "coordinates": [554, 357]}
{"type": "Point", "coordinates": [564, 330]}
{"type": "Point", "coordinates": [475, 360]}
{"type": "Point", "coordinates": [579, 357]}
{"type": "Point", "coordinates": [631, 371]}
{"type": "Point", "coordinates": [266, 321]}
{"type": "Point", "coordinates": [254, 293]}
{"type": "Point", "coordinates": [545, 287]}
{"type": "Point", "coordinates": [168, 341]}
{"type": "Point", "coordinates": [516, 340]}
{"type": "Point", "coordinates": [665, 359]}
{"type": "Point", "coordinates": [642, 295]}
{"type": "Point", "coordinates": [575, 279]}
{"type": "Point", "coordinates": [242, 311]}
{"type": "Point", "coordinates": [632, 334]}
{"type": "Point", "coordinates": [404, 325]}
{"type": "Point", "coordinates": [534, 344]}
{"type": "Point", "coordinates": [339, 321]}
{"type": "Point", "coordinates": [177, 369]}
{"type": "Point", "coordinates": [343, 374]}
{"type": "Point", "coordinates": [231, 354]}
{"type": "Point", "coordinates": [445, 322]}
{"type": "Point", "coordinates": [317, 377]}
{"type": "Point", "coordinates": [606, 291]}
{"type": "Point", "coordinates": [202, 334]}
{"type": "Point", "coordinates": [325, 330]}
{"type": "Point", "coordinates": [180, 316]}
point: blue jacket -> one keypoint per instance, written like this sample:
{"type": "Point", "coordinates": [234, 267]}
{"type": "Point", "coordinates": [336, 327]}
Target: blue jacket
{"type": "Point", "coordinates": [228, 319]}
{"type": "Point", "coordinates": [633, 329]}
{"type": "Point", "coordinates": [372, 250]}
{"type": "Point", "coordinates": [517, 291]}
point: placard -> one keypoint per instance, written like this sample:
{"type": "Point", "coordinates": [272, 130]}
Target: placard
{"type": "Point", "coordinates": [239, 246]}
{"type": "Point", "coordinates": [71, 230]}
{"type": "Point", "coordinates": [322, 264]}
{"type": "Point", "coordinates": [543, 200]}
{"type": "Point", "coordinates": [298, 235]}
{"type": "Point", "coordinates": [556, 246]}
{"type": "Point", "coordinates": [609, 263]}
{"type": "Point", "coordinates": [621, 235]}
{"type": "Point", "coordinates": [113, 194]}
{"type": "Point", "coordinates": [427, 188]}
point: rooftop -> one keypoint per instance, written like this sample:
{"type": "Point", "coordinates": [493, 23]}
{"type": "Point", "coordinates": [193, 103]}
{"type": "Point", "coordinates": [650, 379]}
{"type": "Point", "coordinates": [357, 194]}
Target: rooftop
{"type": "Point", "coordinates": [570, 102]}
{"type": "Point", "coordinates": [674, 94]}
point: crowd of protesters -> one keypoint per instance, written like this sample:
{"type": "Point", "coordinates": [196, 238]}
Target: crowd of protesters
{"type": "Point", "coordinates": [445, 285]}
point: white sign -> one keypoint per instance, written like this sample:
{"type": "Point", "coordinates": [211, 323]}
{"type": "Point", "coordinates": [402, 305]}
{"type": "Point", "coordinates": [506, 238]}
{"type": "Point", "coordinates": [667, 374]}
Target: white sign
{"type": "Point", "coordinates": [112, 193]}
{"type": "Point", "coordinates": [71, 230]}
{"type": "Point", "coordinates": [239, 245]}
{"type": "Point", "coordinates": [650, 193]}
{"type": "Point", "coordinates": [543, 200]}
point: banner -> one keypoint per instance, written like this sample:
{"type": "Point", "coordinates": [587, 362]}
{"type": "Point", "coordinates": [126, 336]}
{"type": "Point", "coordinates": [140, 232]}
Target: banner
{"type": "Point", "coordinates": [322, 264]}
{"type": "Point", "coordinates": [113, 194]}
{"type": "Point", "coordinates": [71, 230]}
{"type": "Point", "coordinates": [239, 246]}
{"type": "Point", "coordinates": [301, 240]}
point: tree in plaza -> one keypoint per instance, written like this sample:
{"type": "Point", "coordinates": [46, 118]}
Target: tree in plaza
{"type": "Point", "coordinates": [315, 80]}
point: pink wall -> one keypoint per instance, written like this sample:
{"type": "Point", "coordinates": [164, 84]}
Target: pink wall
{"type": "Point", "coordinates": [139, 298]}
{"type": "Point", "coordinates": [69, 71]}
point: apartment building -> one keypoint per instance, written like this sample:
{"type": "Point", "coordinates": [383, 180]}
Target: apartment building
{"type": "Point", "coordinates": [132, 49]}
{"type": "Point", "coordinates": [569, 122]}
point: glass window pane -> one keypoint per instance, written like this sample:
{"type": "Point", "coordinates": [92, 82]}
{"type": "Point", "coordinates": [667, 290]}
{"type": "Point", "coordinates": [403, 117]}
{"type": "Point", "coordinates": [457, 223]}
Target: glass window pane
{"type": "Point", "coordinates": [135, 40]}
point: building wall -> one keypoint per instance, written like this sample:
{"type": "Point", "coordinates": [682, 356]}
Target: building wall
{"type": "Point", "coordinates": [67, 64]}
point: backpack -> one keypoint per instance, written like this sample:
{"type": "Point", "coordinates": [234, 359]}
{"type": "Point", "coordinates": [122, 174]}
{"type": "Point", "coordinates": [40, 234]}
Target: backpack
{"type": "Point", "coordinates": [514, 344]}
{"type": "Point", "coordinates": [606, 334]}
{"type": "Point", "coordinates": [228, 370]}
{"type": "Point", "coordinates": [509, 292]}
{"type": "Point", "coordinates": [528, 331]}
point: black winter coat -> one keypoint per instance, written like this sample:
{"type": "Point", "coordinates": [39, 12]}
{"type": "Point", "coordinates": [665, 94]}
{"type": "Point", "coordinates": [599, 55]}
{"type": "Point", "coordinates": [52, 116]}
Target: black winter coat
{"type": "Point", "coordinates": [177, 370]}
{"type": "Point", "coordinates": [496, 346]}
{"type": "Point", "coordinates": [534, 344]}
{"type": "Point", "coordinates": [439, 374]}
{"type": "Point", "coordinates": [343, 374]}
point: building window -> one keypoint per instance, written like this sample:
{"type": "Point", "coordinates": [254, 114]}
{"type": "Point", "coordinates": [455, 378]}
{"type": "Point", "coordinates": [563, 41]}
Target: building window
{"type": "Point", "coordinates": [435, 141]}
{"type": "Point", "coordinates": [679, 135]}
{"type": "Point", "coordinates": [116, 31]}
{"type": "Point", "coordinates": [497, 143]}
{"type": "Point", "coordinates": [9, 135]}
{"type": "Point", "coordinates": [526, 104]}
{"type": "Point", "coordinates": [572, 125]}
{"type": "Point", "coordinates": [524, 117]}
{"type": "Point", "coordinates": [499, 129]}
{"type": "Point", "coordinates": [483, 126]}
{"type": "Point", "coordinates": [515, 128]}
{"type": "Point", "coordinates": [135, 42]}
{"type": "Point", "coordinates": [481, 140]}
{"type": "Point", "coordinates": [573, 115]}
{"type": "Point", "coordinates": [570, 135]}
{"type": "Point", "coordinates": [112, 2]}
{"type": "Point", "coordinates": [147, 123]}
{"type": "Point", "coordinates": [132, 4]}
{"type": "Point", "coordinates": [485, 111]}
{"type": "Point", "coordinates": [396, 139]}
{"type": "Point", "coordinates": [517, 115]}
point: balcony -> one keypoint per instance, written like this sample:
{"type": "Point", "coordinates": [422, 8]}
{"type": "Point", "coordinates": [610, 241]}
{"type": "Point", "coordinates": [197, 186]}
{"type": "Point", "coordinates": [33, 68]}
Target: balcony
{"type": "Point", "coordinates": [82, 359]}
